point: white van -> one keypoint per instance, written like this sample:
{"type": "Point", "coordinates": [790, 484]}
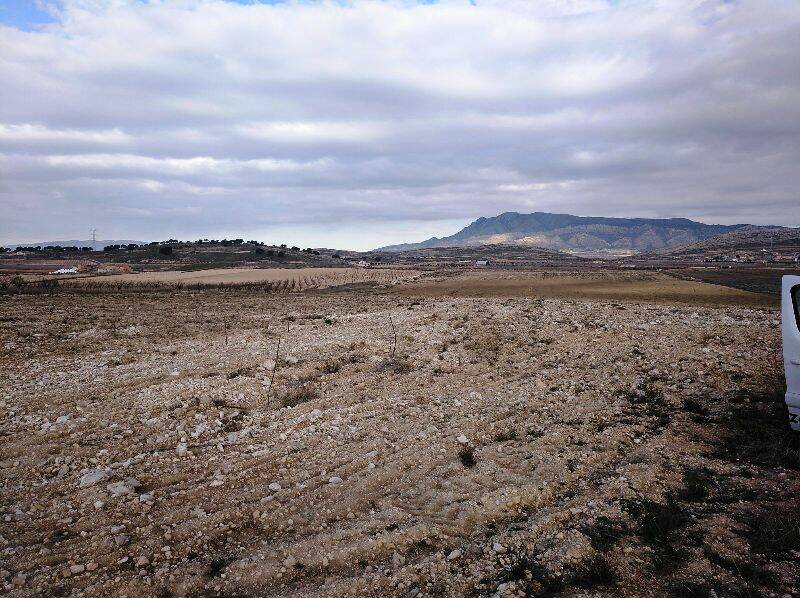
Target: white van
{"type": "Point", "coordinates": [790, 316]}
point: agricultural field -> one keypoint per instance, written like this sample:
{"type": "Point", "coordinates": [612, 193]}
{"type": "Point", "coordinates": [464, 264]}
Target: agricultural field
{"type": "Point", "coordinates": [273, 279]}
{"type": "Point", "coordinates": [475, 434]}
{"type": "Point", "coordinates": [651, 287]}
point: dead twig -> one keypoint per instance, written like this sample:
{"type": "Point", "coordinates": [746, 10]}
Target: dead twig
{"type": "Point", "coordinates": [394, 332]}
{"type": "Point", "coordinates": [275, 363]}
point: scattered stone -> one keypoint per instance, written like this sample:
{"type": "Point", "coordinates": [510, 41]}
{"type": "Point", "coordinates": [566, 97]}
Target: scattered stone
{"type": "Point", "coordinates": [123, 487]}
{"type": "Point", "coordinates": [90, 478]}
{"type": "Point", "coordinates": [274, 486]}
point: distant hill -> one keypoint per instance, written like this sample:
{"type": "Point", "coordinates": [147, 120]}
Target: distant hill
{"type": "Point", "coordinates": [579, 235]}
{"type": "Point", "coordinates": [746, 243]}
{"type": "Point", "coordinates": [76, 243]}
{"type": "Point", "coordinates": [511, 256]}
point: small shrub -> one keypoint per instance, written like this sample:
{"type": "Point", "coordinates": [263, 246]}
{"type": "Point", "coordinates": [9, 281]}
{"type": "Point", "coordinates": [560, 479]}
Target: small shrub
{"type": "Point", "coordinates": [757, 431]}
{"type": "Point", "coordinates": [695, 406]}
{"type": "Point", "coordinates": [751, 573]}
{"type": "Point", "coordinates": [648, 399]}
{"type": "Point", "coordinates": [298, 396]}
{"type": "Point", "coordinates": [395, 365]}
{"type": "Point", "coordinates": [775, 531]}
{"type": "Point", "coordinates": [330, 366]}
{"type": "Point", "coordinates": [467, 456]}
{"type": "Point", "coordinates": [594, 572]}
{"type": "Point", "coordinates": [604, 533]}
{"type": "Point", "coordinates": [657, 526]}
{"type": "Point", "coordinates": [505, 435]}
{"type": "Point", "coordinates": [657, 521]}
{"type": "Point", "coordinates": [696, 482]}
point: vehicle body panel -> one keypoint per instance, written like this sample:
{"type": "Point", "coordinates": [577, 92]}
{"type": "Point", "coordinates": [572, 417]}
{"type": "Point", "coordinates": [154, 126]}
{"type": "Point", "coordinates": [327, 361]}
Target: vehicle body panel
{"type": "Point", "coordinates": [790, 318]}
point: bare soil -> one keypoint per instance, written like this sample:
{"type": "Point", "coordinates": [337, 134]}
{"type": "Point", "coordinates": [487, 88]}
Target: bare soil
{"type": "Point", "coordinates": [403, 444]}
{"type": "Point", "coordinates": [759, 279]}
{"type": "Point", "coordinates": [651, 287]}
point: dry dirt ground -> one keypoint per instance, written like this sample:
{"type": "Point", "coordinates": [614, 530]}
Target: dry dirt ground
{"type": "Point", "coordinates": [501, 446]}
{"type": "Point", "coordinates": [651, 287]}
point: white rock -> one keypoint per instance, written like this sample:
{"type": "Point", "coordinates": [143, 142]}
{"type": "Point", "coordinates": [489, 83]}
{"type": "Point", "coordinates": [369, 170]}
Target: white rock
{"type": "Point", "coordinates": [62, 419]}
{"type": "Point", "coordinates": [498, 548]}
{"type": "Point", "coordinates": [462, 439]}
{"type": "Point", "coordinates": [90, 478]}
{"type": "Point", "coordinates": [274, 486]}
{"type": "Point", "coordinates": [335, 480]}
{"type": "Point", "coordinates": [182, 449]}
{"type": "Point", "coordinates": [77, 569]}
{"type": "Point", "coordinates": [123, 487]}
{"type": "Point", "coordinates": [99, 504]}
{"type": "Point", "coordinates": [289, 562]}
{"type": "Point", "coordinates": [454, 555]}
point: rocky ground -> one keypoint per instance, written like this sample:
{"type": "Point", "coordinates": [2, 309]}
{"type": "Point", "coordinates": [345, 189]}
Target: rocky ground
{"type": "Point", "coordinates": [401, 446]}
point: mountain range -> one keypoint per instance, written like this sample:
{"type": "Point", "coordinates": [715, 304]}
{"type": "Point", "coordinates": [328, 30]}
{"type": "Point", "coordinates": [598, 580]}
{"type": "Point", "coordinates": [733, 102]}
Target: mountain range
{"type": "Point", "coordinates": [579, 235]}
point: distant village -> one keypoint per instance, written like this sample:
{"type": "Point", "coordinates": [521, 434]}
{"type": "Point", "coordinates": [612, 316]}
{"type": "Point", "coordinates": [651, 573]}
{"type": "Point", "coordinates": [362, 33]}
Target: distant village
{"type": "Point", "coordinates": [762, 256]}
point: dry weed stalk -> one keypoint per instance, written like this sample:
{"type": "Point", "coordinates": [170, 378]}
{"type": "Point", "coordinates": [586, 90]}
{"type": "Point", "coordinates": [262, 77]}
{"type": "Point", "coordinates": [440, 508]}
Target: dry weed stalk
{"type": "Point", "coordinates": [275, 363]}
{"type": "Point", "coordinates": [394, 332]}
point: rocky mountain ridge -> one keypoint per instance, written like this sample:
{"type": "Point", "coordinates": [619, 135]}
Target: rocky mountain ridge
{"type": "Point", "coordinates": [580, 235]}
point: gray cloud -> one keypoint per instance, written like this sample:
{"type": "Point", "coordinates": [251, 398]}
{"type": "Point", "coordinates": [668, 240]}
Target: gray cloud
{"type": "Point", "coordinates": [373, 123]}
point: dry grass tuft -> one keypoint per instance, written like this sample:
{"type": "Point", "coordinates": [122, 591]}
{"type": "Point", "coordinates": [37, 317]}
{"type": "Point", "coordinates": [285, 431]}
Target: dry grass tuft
{"type": "Point", "coordinates": [297, 396]}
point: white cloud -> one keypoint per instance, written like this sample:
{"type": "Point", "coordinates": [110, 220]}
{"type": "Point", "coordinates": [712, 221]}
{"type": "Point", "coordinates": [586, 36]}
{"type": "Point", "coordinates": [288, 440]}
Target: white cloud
{"type": "Point", "coordinates": [180, 166]}
{"type": "Point", "coordinates": [174, 117]}
{"type": "Point", "coordinates": [313, 132]}
{"type": "Point", "coordinates": [30, 132]}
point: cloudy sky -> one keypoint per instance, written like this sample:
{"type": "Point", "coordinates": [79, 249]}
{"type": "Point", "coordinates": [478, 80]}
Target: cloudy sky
{"type": "Point", "coordinates": [359, 124]}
